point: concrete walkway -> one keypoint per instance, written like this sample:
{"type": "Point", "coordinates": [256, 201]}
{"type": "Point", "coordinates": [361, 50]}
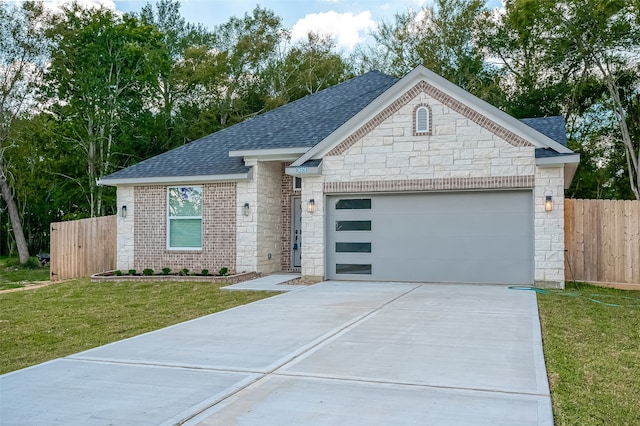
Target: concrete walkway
{"type": "Point", "coordinates": [329, 354]}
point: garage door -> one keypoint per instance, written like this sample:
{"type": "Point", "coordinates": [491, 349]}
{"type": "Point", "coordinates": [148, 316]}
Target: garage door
{"type": "Point", "coordinates": [483, 237]}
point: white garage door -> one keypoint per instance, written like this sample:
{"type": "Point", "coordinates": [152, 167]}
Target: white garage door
{"type": "Point", "coordinates": [475, 237]}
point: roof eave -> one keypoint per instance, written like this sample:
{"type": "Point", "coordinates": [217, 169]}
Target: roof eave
{"type": "Point", "coordinates": [558, 160]}
{"type": "Point", "coordinates": [570, 163]}
{"type": "Point", "coordinates": [176, 180]}
{"type": "Point", "coordinates": [274, 154]}
{"type": "Point", "coordinates": [304, 170]}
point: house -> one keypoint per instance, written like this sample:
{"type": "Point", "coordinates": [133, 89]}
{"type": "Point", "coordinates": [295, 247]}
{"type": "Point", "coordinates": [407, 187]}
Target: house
{"type": "Point", "coordinates": [372, 179]}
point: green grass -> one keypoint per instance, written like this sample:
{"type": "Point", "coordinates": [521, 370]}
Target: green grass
{"type": "Point", "coordinates": [64, 318]}
{"type": "Point", "coordinates": [13, 275]}
{"type": "Point", "coordinates": [592, 353]}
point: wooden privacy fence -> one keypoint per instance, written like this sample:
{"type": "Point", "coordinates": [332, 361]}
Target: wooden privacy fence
{"type": "Point", "coordinates": [82, 247]}
{"type": "Point", "coordinates": [602, 239]}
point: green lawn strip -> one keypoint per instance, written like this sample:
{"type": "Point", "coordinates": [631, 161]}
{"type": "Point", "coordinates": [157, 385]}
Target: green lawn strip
{"type": "Point", "coordinates": [64, 318]}
{"type": "Point", "coordinates": [592, 353]}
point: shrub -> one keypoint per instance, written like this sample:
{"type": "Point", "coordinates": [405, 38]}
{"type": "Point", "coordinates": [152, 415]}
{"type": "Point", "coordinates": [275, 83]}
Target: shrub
{"type": "Point", "coordinates": [166, 271]}
{"type": "Point", "coordinates": [132, 272]}
{"type": "Point", "coordinates": [117, 272]}
{"type": "Point", "coordinates": [31, 263]}
{"type": "Point", "coordinates": [184, 271]}
{"type": "Point", "coordinates": [205, 272]}
{"type": "Point", "coordinates": [147, 271]}
{"type": "Point", "coordinates": [223, 271]}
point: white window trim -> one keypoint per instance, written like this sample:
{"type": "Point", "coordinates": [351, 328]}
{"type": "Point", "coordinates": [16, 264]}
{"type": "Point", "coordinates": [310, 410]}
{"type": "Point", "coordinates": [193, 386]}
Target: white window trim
{"type": "Point", "coordinates": [295, 188]}
{"type": "Point", "coordinates": [168, 228]}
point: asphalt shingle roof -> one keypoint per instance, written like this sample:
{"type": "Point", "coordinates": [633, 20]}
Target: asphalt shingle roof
{"type": "Point", "coordinates": [552, 127]}
{"type": "Point", "coordinates": [302, 123]}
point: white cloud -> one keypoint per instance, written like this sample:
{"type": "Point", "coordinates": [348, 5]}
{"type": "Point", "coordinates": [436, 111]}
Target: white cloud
{"type": "Point", "coordinates": [346, 29]}
{"type": "Point", "coordinates": [56, 5]}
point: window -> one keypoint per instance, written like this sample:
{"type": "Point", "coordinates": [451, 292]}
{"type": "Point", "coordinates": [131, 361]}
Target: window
{"type": "Point", "coordinates": [353, 247]}
{"type": "Point", "coordinates": [351, 268]}
{"type": "Point", "coordinates": [184, 218]}
{"type": "Point", "coordinates": [354, 204]}
{"type": "Point", "coordinates": [422, 120]}
{"type": "Point", "coordinates": [297, 183]}
{"type": "Point", "coordinates": [353, 225]}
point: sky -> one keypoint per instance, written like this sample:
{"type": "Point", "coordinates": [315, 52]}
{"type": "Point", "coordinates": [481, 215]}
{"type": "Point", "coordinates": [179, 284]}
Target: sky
{"type": "Point", "coordinates": [347, 21]}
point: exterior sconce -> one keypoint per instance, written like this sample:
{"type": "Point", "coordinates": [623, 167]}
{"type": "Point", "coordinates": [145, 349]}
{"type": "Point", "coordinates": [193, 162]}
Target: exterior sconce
{"type": "Point", "coordinates": [123, 211]}
{"type": "Point", "coordinates": [311, 206]}
{"type": "Point", "coordinates": [245, 209]}
{"type": "Point", "coordinates": [548, 203]}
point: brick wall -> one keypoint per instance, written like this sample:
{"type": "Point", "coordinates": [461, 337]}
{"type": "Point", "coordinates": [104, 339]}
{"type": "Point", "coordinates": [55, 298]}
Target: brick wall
{"type": "Point", "coordinates": [285, 203]}
{"type": "Point", "coordinates": [218, 230]}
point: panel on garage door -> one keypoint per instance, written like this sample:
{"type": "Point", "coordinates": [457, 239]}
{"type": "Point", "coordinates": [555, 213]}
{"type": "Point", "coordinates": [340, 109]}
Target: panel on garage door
{"type": "Point", "coordinates": [483, 237]}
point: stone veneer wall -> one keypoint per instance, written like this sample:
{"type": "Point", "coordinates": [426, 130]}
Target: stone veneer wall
{"type": "Point", "coordinates": [125, 228]}
{"type": "Point", "coordinates": [259, 234]}
{"type": "Point", "coordinates": [313, 228]}
{"type": "Point", "coordinates": [218, 230]}
{"type": "Point", "coordinates": [269, 179]}
{"type": "Point", "coordinates": [549, 228]}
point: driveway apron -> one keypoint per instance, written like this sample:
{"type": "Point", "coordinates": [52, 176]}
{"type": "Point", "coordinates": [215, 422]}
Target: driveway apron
{"type": "Point", "coordinates": [328, 354]}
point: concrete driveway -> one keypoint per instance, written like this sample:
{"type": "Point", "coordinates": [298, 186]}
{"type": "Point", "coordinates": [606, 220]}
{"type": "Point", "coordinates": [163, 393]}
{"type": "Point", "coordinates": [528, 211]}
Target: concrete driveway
{"type": "Point", "coordinates": [330, 354]}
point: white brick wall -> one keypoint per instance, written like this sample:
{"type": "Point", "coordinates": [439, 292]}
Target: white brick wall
{"type": "Point", "coordinates": [125, 227]}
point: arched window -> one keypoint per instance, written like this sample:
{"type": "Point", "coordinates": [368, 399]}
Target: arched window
{"type": "Point", "coordinates": [422, 120]}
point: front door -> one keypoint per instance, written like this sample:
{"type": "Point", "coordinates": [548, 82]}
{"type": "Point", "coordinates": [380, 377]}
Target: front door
{"type": "Point", "coordinates": [296, 232]}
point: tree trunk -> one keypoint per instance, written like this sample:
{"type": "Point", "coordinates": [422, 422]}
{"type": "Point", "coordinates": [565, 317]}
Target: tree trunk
{"type": "Point", "coordinates": [23, 250]}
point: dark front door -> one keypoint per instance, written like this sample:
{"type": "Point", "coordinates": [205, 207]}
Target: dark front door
{"type": "Point", "coordinates": [296, 232]}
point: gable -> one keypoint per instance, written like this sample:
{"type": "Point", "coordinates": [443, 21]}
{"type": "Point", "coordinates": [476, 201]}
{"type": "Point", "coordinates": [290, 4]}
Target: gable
{"type": "Point", "coordinates": [439, 95]}
{"type": "Point", "coordinates": [459, 144]}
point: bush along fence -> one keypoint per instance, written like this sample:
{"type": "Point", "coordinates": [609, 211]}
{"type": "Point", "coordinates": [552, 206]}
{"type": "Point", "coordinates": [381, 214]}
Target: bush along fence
{"type": "Point", "coordinates": [602, 242]}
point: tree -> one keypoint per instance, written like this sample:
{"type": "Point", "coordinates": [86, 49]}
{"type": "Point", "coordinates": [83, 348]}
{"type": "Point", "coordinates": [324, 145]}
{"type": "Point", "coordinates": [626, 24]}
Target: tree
{"type": "Point", "coordinates": [170, 91]}
{"type": "Point", "coordinates": [305, 68]}
{"type": "Point", "coordinates": [576, 57]}
{"type": "Point", "coordinates": [440, 37]}
{"type": "Point", "coordinates": [226, 83]}
{"type": "Point", "coordinates": [101, 77]}
{"type": "Point", "coordinates": [22, 58]}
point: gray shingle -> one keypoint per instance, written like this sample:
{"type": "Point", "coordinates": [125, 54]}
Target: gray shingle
{"type": "Point", "coordinates": [302, 123]}
{"type": "Point", "coordinates": [552, 127]}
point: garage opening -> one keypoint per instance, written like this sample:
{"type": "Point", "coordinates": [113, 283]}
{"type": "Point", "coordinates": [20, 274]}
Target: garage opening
{"type": "Point", "coordinates": [458, 237]}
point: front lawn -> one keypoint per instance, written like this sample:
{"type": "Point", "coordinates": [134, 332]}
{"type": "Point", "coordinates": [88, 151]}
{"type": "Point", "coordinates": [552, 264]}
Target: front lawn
{"type": "Point", "coordinates": [64, 318]}
{"type": "Point", "coordinates": [591, 341]}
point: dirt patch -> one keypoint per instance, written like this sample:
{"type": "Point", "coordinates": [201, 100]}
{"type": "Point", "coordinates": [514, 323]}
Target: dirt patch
{"type": "Point", "coordinates": [301, 281]}
{"type": "Point", "coordinates": [29, 286]}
